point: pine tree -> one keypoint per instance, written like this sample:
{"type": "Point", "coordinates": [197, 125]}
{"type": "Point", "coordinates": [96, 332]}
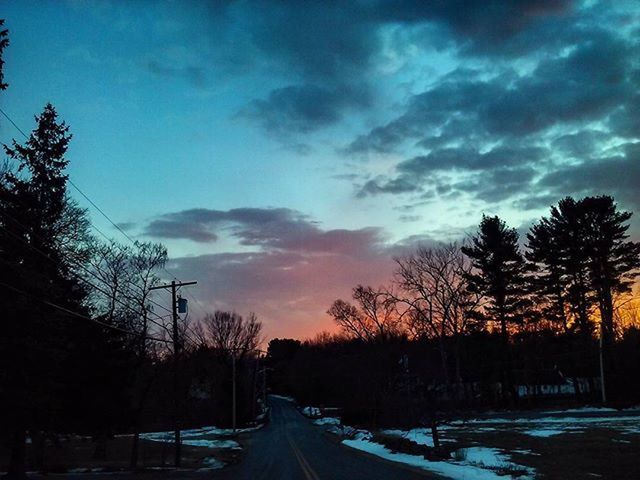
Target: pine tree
{"type": "Point", "coordinates": [613, 260]}
{"type": "Point", "coordinates": [4, 43]}
{"type": "Point", "coordinates": [39, 226]}
{"type": "Point", "coordinates": [499, 275]}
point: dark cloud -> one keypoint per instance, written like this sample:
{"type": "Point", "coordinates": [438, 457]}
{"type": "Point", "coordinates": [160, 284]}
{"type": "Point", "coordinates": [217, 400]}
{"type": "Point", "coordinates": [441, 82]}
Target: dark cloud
{"type": "Point", "coordinates": [492, 175]}
{"type": "Point", "coordinates": [270, 228]}
{"type": "Point", "coordinates": [618, 175]}
{"type": "Point", "coordinates": [498, 127]}
{"type": "Point", "coordinates": [591, 82]}
{"type": "Point", "coordinates": [582, 144]}
{"type": "Point", "coordinates": [304, 108]}
{"type": "Point", "coordinates": [379, 185]}
{"type": "Point", "coordinates": [478, 25]}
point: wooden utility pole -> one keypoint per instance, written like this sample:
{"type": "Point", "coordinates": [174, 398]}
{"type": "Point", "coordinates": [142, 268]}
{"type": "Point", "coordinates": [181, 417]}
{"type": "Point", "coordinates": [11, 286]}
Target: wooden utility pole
{"type": "Point", "coordinates": [176, 352]}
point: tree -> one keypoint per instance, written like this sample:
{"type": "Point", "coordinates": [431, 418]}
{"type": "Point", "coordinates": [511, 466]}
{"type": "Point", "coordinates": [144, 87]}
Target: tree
{"type": "Point", "coordinates": [4, 43]}
{"type": "Point", "coordinates": [434, 285]}
{"type": "Point", "coordinates": [613, 260]}
{"type": "Point", "coordinates": [499, 276]}
{"type": "Point", "coordinates": [374, 319]}
{"type": "Point", "coordinates": [231, 334]}
{"type": "Point", "coordinates": [558, 250]}
{"type": "Point", "coordinates": [42, 236]}
{"type": "Point", "coordinates": [127, 275]}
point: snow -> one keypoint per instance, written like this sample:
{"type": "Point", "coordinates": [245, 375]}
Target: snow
{"type": "Point", "coordinates": [549, 426]}
{"type": "Point", "coordinates": [283, 397]}
{"type": "Point", "coordinates": [544, 432]}
{"type": "Point", "coordinates": [200, 437]}
{"type": "Point", "coordinates": [311, 411]}
{"type": "Point", "coordinates": [213, 443]}
{"type": "Point", "coordinates": [418, 435]}
{"type": "Point", "coordinates": [457, 470]}
{"type": "Point", "coordinates": [212, 463]}
{"type": "Point", "coordinates": [327, 421]}
{"type": "Point", "coordinates": [584, 410]}
{"type": "Point", "coordinates": [194, 433]}
{"type": "Point", "coordinates": [491, 458]}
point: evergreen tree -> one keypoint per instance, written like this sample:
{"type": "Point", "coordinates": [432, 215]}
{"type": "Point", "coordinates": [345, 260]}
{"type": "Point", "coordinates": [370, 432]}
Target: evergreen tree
{"type": "Point", "coordinates": [4, 43]}
{"type": "Point", "coordinates": [39, 225]}
{"type": "Point", "coordinates": [499, 275]}
{"type": "Point", "coordinates": [549, 282]}
{"type": "Point", "coordinates": [613, 260]}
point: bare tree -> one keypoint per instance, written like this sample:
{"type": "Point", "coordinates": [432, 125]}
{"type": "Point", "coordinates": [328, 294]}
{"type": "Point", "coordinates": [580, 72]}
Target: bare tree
{"type": "Point", "coordinates": [440, 305]}
{"type": "Point", "coordinates": [231, 334]}
{"type": "Point", "coordinates": [374, 318]}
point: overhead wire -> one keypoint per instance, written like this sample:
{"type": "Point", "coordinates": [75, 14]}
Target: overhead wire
{"type": "Point", "coordinates": [99, 289]}
{"type": "Point", "coordinates": [103, 213]}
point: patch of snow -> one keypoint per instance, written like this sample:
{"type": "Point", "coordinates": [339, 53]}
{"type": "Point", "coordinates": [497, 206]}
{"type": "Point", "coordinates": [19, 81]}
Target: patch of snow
{"type": "Point", "coordinates": [584, 410]}
{"type": "Point", "coordinates": [283, 397]}
{"type": "Point", "coordinates": [457, 470]}
{"type": "Point", "coordinates": [544, 432]}
{"type": "Point", "coordinates": [492, 458]}
{"type": "Point", "coordinates": [213, 463]}
{"type": "Point", "coordinates": [214, 443]}
{"type": "Point", "coordinates": [421, 436]}
{"type": "Point", "coordinates": [327, 421]}
{"type": "Point", "coordinates": [311, 411]}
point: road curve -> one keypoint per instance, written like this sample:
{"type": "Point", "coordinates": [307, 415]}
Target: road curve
{"type": "Point", "coordinates": [291, 448]}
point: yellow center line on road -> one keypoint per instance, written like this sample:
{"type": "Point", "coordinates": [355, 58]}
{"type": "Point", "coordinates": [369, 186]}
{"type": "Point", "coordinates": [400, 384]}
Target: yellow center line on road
{"type": "Point", "coordinates": [306, 468]}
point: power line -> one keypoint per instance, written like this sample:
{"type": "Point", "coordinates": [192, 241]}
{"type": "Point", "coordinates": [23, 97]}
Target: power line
{"type": "Point", "coordinates": [102, 212]}
{"type": "Point", "coordinates": [79, 315]}
{"type": "Point", "coordinates": [44, 254]}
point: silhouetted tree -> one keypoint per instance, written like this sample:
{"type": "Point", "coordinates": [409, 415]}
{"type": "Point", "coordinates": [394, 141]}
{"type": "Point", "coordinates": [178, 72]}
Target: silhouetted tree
{"type": "Point", "coordinates": [433, 284]}
{"type": "Point", "coordinates": [231, 334]}
{"type": "Point", "coordinates": [4, 43]}
{"type": "Point", "coordinates": [41, 235]}
{"type": "Point", "coordinates": [375, 318]}
{"type": "Point", "coordinates": [500, 277]}
{"type": "Point", "coordinates": [613, 260]}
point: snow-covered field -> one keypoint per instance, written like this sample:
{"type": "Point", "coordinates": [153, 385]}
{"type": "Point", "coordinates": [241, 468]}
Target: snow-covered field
{"type": "Point", "coordinates": [206, 437]}
{"type": "Point", "coordinates": [548, 426]}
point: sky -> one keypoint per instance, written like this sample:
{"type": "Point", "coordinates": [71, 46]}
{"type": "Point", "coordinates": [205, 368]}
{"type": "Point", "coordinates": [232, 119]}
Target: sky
{"type": "Point", "coordinates": [286, 151]}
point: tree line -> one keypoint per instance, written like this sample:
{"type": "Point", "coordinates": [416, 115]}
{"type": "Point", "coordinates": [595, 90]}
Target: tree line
{"type": "Point", "coordinates": [484, 323]}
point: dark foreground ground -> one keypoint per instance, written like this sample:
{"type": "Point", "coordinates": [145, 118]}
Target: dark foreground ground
{"type": "Point", "coordinates": [289, 447]}
{"type": "Point", "coordinates": [585, 444]}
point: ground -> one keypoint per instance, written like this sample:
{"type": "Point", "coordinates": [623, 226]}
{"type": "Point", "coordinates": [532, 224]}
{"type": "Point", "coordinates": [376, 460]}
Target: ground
{"type": "Point", "coordinates": [570, 444]}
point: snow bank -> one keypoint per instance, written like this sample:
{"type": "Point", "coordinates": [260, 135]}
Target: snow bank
{"type": "Point", "coordinates": [457, 470]}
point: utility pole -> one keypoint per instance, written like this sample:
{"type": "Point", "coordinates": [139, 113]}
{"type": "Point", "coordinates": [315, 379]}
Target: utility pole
{"type": "Point", "coordinates": [233, 395]}
{"type": "Point", "coordinates": [176, 352]}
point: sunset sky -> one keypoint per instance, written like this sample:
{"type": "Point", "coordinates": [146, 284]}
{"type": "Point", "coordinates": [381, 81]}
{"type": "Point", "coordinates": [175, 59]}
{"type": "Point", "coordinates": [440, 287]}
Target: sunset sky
{"type": "Point", "coordinates": [286, 151]}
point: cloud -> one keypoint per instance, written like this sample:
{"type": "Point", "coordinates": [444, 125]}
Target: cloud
{"type": "Point", "coordinates": [269, 228]}
{"type": "Point", "coordinates": [297, 270]}
{"type": "Point", "coordinates": [619, 174]}
{"type": "Point", "coordinates": [304, 108]}
{"type": "Point", "coordinates": [490, 176]}
{"type": "Point", "coordinates": [480, 26]}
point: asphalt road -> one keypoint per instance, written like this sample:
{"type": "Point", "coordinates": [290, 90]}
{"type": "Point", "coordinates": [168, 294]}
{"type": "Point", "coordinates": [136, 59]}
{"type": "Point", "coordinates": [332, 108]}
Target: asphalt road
{"type": "Point", "coordinates": [291, 448]}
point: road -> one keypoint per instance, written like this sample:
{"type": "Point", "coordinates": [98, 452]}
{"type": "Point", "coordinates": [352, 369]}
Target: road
{"type": "Point", "coordinates": [291, 448]}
